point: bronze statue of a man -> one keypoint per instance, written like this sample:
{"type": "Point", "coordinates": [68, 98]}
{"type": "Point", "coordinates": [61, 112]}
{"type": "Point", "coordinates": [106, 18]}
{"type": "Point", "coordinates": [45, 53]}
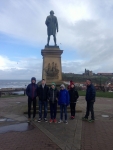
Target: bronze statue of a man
{"type": "Point", "coordinates": [52, 26]}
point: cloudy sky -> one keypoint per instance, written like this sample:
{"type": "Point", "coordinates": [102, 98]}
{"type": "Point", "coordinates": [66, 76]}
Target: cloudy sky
{"type": "Point", "coordinates": [85, 34]}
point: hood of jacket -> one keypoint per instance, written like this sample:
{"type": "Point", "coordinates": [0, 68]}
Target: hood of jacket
{"type": "Point", "coordinates": [33, 78]}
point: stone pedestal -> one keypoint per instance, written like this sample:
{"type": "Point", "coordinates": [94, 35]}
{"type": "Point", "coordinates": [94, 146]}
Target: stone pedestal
{"type": "Point", "coordinates": [52, 69]}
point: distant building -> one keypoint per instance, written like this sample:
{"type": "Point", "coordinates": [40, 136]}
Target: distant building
{"type": "Point", "coordinates": [105, 74]}
{"type": "Point", "coordinates": [88, 73]}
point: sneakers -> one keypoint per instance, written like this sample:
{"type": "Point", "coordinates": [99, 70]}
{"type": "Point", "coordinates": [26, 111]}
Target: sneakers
{"type": "Point", "coordinates": [39, 120]}
{"type": "Point", "coordinates": [55, 121]}
{"type": "Point", "coordinates": [72, 117]}
{"type": "Point", "coordinates": [45, 119]}
{"type": "Point", "coordinates": [91, 120]}
{"type": "Point", "coordinates": [29, 120]}
{"type": "Point", "coordinates": [34, 119]}
{"type": "Point", "coordinates": [84, 119]}
{"type": "Point", "coordinates": [50, 121]}
{"type": "Point", "coordinates": [65, 122]}
{"type": "Point", "coordinates": [60, 121]}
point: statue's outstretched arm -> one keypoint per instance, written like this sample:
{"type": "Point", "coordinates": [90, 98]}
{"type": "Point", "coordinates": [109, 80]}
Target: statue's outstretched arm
{"type": "Point", "coordinates": [46, 22]}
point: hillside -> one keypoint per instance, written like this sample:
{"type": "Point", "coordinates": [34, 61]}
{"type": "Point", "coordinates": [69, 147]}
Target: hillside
{"type": "Point", "coordinates": [82, 78]}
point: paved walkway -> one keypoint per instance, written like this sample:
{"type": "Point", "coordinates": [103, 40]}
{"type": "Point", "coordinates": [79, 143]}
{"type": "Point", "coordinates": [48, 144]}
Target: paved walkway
{"type": "Point", "coordinates": [66, 136]}
{"type": "Point", "coordinates": [76, 135]}
{"type": "Point", "coordinates": [28, 140]}
{"type": "Point", "coordinates": [99, 135]}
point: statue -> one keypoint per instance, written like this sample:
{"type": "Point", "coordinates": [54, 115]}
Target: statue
{"type": "Point", "coordinates": [52, 26]}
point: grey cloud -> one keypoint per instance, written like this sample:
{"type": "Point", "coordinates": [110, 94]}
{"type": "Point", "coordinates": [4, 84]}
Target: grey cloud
{"type": "Point", "coordinates": [25, 69]}
{"type": "Point", "coordinates": [20, 74]}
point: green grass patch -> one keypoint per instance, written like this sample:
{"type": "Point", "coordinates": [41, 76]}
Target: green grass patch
{"type": "Point", "coordinates": [98, 94]}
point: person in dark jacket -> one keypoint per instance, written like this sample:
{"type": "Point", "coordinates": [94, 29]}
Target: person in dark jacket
{"type": "Point", "coordinates": [31, 92]}
{"type": "Point", "coordinates": [90, 98]}
{"type": "Point", "coordinates": [53, 99]}
{"type": "Point", "coordinates": [43, 96]}
{"type": "Point", "coordinates": [63, 101]}
{"type": "Point", "coordinates": [73, 99]}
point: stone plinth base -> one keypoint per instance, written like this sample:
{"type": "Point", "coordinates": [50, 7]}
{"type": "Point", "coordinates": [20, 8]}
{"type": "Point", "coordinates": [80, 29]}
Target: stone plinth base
{"type": "Point", "coordinates": [52, 69]}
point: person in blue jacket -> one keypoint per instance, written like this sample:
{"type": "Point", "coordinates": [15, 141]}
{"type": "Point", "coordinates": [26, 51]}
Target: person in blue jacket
{"type": "Point", "coordinates": [31, 92]}
{"type": "Point", "coordinates": [63, 101]}
{"type": "Point", "coordinates": [90, 99]}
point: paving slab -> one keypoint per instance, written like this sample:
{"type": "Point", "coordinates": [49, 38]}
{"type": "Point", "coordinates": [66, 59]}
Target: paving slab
{"type": "Point", "coordinates": [66, 136]}
{"type": "Point", "coordinates": [76, 135]}
{"type": "Point", "coordinates": [28, 140]}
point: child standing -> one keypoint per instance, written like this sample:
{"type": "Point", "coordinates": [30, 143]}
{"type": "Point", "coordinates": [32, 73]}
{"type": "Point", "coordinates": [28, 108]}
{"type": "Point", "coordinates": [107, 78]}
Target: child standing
{"type": "Point", "coordinates": [53, 98]}
{"type": "Point", "coordinates": [73, 99]}
{"type": "Point", "coordinates": [63, 101]}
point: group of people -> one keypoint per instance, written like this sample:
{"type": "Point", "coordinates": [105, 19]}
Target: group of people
{"type": "Point", "coordinates": [54, 97]}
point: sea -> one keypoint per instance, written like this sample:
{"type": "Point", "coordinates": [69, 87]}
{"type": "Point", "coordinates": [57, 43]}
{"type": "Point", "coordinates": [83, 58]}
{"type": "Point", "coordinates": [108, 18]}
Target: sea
{"type": "Point", "coordinates": [14, 83]}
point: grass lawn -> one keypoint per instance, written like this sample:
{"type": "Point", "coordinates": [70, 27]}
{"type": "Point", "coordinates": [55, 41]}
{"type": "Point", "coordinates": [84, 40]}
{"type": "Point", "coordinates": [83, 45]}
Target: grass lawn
{"type": "Point", "coordinates": [98, 94]}
{"type": "Point", "coordinates": [81, 93]}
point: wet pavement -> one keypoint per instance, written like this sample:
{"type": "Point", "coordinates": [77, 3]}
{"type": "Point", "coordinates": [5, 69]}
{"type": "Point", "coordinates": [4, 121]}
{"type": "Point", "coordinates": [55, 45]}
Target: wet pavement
{"type": "Point", "coordinates": [16, 127]}
{"type": "Point", "coordinates": [17, 134]}
{"type": "Point", "coordinates": [5, 119]}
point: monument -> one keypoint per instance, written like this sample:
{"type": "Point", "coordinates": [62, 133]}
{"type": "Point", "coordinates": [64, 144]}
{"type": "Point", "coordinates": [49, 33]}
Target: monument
{"type": "Point", "coordinates": [52, 69]}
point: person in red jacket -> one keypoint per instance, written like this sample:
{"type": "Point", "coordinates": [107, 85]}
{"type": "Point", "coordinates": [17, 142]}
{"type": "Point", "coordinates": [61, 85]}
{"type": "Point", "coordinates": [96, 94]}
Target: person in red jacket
{"type": "Point", "coordinates": [69, 86]}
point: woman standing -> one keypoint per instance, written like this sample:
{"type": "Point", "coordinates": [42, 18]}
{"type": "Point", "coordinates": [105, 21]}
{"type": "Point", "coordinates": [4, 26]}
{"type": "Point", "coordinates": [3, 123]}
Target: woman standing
{"type": "Point", "coordinates": [73, 99]}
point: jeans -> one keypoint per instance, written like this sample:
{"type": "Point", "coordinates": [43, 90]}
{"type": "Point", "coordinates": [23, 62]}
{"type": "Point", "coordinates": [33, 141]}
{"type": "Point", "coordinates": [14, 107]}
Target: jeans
{"type": "Point", "coordinates": [30, 100]}
{"type": "Point", "coordinates": [53, 110]}
{"type": "Point", "coordinates": [90, 109]}
{"type": "Point", "coordinates": [72, 107]}
{"type": "Point", "coordinates": [63, 108]}
{"type": "Point", "coordinates": [41, 104]}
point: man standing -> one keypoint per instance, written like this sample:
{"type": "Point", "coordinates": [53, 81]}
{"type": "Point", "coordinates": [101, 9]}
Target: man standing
{"type": "Point", "coordinates": [31, 92]}
{"type": "Point", "coordinates": [52, 26]}
{"type": "Point", "coordinates": [43, 95]}
{"type": "Point", "coordinates": [90, 98]}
